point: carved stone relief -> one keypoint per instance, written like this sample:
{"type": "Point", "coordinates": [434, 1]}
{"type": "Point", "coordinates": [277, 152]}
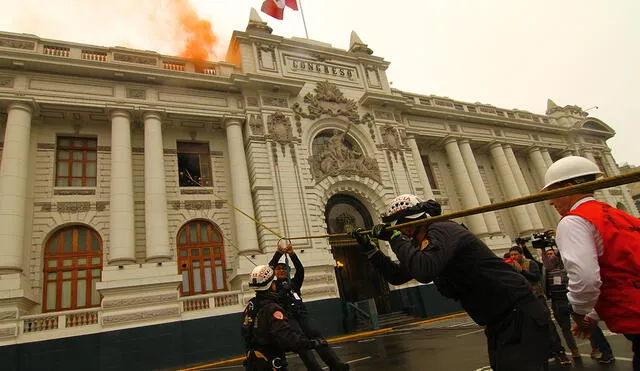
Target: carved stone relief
{"type": "Point", "coordinates": [8, 332]}
{"type": "Point", "coordinates": [267, 57]}
{"type": "Point", "coordinates": [73, 207]}
{"type": "Point", "coordinates": [197, 204]}
{"type": "Point", "coordinates": [256, 125]}
{"type": "Point", "coordinates": [17, 44]}
{"type": "Point", "coordinates": [101, 205]}
{"type": "Point", "coordinates": [391, 138]}
{"type": "Point", "coordinates": [275, 102]}
{"type": "Point", "coordinates": [6, 82]}
{"type": "Point", "coordinates": [336, 157]}
{"type": "Point", "coordinates": [373, 76]}
{"type": "Point", "coordinates": [252, 101]}
{"type": "Point", "coordinates": [139, 300]}
{"type": "Point", "coordinates": [107, 320]}
{"type": "Point", "coordinates": [134, 59]}
{"type": "Point", "coordinates": [136, 93]}
{"type": "Point", "coordinates": [328, 100]}
{"type": "Point", "coordinates": [279, 129]}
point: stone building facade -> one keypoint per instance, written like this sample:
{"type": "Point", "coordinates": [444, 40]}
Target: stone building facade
{"type": "Point", "coordinates": [137, 190]}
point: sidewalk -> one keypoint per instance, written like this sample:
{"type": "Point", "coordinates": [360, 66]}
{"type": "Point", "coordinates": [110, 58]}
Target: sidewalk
{"type": "Point", "coordinates": [334, 340]}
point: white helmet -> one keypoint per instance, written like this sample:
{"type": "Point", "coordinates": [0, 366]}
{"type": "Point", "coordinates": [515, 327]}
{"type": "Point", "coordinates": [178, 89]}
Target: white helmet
{"type": "Point", "coordinates": [568, 168]}
{"type": "Point", "coordinates": [261, 277]}
{"type": "Point", "coordinates": [406, 206]}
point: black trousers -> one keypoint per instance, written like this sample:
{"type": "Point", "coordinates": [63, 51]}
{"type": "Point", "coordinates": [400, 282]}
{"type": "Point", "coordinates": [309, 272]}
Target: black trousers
{"type": "Point", "coordinates": [329, 357]}
{"type": "Point", "coordinates": [520, 340]}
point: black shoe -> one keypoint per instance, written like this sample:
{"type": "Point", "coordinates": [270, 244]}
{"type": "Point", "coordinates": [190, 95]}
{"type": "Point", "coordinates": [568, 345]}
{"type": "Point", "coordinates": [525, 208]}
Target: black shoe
{"type": "Point", "coordinates": [606, 360]}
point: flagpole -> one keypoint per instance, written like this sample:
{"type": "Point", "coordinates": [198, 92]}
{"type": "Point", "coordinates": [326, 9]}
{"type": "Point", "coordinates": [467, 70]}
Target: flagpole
{"type": "Point", "coordinates": [303, 21]}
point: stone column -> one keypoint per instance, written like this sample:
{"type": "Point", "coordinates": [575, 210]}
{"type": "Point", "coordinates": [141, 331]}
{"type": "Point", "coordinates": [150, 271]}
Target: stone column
{"type": "Point", "coordinates": [121, 216]}
{"type": "Point", "coordinates": [508, 180]}
{"type": "Point", "coordinates": [539, 165]}
{"type": "Point", "coordinates": [13, 186]}
{"type": "Point", "coordinates": [522, 186]}
{"type": "Point", "coordinates": [463, 182]}
{"type": "Point", "coordinates": [246, 234]}
{"type": "Point", "coordinates": [547, 157]}
{"type": "Point", "coordinates": [155, 194]}
{"type": "Point", "coordinates": [470, 163]}
{"type": "Point", "coordinates": [417, 160]}
{"type": "Point", "coordinates": [601, 194]}
{"type": "Point", "coordinates": [609, 161]}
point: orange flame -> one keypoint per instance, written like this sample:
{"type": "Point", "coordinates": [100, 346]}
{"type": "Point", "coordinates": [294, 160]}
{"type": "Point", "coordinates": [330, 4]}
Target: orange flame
{"type": "Point", "coordinates": [200, 37]}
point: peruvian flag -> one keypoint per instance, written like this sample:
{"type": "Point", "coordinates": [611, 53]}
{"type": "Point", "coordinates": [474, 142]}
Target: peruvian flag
{"type": "Point", "coordinates": [275, 8]}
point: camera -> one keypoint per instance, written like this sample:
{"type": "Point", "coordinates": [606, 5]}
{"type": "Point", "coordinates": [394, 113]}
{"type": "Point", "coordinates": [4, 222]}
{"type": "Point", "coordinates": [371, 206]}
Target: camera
{"type": "Point", "coordinates": [543, 240]}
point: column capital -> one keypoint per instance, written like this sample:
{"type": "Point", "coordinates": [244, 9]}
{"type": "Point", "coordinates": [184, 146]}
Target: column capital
{"type": "Point", "coordinates": [449, 139]}
{"type": "Point", "coordinates": [119, 112]}
{"type": "Point", "coordinates": [158, 115]}
{"type": "Point", "coordinates": [494, 144]}
{"type": "Point", "coordinates": [231, 121]}
{"type": "Point", "coordinates": [533, 148]}
{"type": "Point", "coordinates": [29, 107]}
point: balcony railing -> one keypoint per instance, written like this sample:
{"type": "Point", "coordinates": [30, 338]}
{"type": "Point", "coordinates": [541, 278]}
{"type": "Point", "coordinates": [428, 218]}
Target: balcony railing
{"type": "Point", "coordinates": [208, 301]}
{"type": "Point", "coordinates": [60, 320]}
{"type": "Point", "coordinates": [118, 55]}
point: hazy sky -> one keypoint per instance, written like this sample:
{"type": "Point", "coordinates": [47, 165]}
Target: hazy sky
{"type": "Point", "coordinates": [511, 54]}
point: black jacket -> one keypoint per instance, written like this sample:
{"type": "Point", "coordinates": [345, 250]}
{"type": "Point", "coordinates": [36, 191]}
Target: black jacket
{"type": "Point", "coordinates": [265, 328]}
{"type": "Point", "coordinates": [290, 297]}
{"type": "Point", "coordinates": [461, 266]}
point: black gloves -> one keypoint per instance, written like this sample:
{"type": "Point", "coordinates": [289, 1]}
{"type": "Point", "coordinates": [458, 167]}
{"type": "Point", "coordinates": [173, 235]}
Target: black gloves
{"type": "Point", "coordinates": [367, 246]}
{"type": "Point", "coordinates": [382, 232]}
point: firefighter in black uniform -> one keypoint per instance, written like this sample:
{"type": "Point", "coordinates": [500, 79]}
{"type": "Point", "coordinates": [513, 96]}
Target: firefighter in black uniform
{"type": "Point", "coordinates": [291, 300]}
{"type": "Point", "coordinates": [465, 269]}
{"type": "Point", "coordinates": [265, 327]}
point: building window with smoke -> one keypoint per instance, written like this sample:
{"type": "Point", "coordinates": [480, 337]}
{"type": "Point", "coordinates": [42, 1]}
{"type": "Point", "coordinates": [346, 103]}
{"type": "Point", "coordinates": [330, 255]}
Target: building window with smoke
{"type": "Point", "coordinates": [194, 164]}
{"type": "Point", "coordinates": [201, 258]}
{"type": "Point", "coordinates": [427, 168]}
{"type": "Point", "coordinates": [72, 266]}
{"type": "Point", "coordinates": [76, 162]}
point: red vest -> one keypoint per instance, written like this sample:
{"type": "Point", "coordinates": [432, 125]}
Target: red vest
{"type": "Point", "coordinates": [619, 301]}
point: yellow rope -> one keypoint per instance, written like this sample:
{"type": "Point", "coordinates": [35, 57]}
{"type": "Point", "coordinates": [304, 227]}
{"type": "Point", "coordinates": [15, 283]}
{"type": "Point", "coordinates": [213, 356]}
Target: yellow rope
{"type": "Point", "coordinates": [247, 215]}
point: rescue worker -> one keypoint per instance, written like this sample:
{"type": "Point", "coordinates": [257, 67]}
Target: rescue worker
{"type": "Point", "coordinates": [465, 269]}
{"type": "Point", "coordinates": [599, 246]}
{"type": "Point", "coordinates": [529, 269]}
{"type": "Point", "coordinates": [290, 298]}
{"type": "Point", "coordinates": [265, 328]}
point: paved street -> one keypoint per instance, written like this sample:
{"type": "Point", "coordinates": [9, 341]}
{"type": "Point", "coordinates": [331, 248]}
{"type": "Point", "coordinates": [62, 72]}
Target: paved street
{"type": "Point", "coordinates": [455, 344]}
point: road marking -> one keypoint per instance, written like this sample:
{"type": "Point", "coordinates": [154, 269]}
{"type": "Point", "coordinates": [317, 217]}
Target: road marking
{"type": "Point", "coordinates": [469, 333]}
{"type": "Point", "coordinates": [352, 361]}
{"type": "Point", "coordinates": [366, 340]}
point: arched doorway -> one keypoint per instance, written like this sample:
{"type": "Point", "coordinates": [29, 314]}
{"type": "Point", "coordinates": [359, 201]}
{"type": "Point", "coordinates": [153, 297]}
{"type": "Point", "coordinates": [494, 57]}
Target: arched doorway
{"type": "Point", "coordinates": [72, 267]}
{"type": "Point", "coordinates": [201, 258]}
{"type": "Point", "coordinates": [357, 278]}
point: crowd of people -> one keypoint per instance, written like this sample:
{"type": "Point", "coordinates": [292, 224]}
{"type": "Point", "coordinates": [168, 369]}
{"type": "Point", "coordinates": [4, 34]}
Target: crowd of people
{"type": "Point", "coordinates": [590, 271]}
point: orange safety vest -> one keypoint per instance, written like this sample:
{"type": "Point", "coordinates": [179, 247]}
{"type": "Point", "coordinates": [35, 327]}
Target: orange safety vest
{"type": "Point", "coordinates": [619, 302]}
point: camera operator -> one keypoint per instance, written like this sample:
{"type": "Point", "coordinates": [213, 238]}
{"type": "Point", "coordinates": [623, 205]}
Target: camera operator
{"type": "Point", "coordinates": [531, 272]}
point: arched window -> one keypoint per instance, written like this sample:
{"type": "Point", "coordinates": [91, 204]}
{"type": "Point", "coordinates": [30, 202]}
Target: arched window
{"type": "Point", "coordinates": [201, 258]}
{"type": "Point", "coordinates": [72, 266]}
